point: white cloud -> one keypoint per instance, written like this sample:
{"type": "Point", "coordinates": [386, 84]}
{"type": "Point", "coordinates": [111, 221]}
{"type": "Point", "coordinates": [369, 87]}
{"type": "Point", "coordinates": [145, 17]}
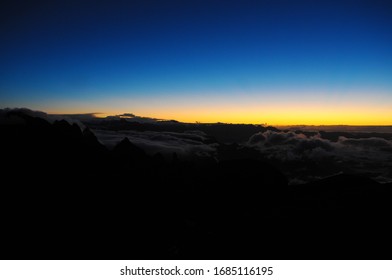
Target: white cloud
{"type": "Point", "coordinates": [371, 156]}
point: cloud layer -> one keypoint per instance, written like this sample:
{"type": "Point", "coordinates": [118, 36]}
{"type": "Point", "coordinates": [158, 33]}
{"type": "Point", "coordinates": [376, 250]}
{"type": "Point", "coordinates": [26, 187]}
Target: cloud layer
{"type": "Point", "coordinates": [371, 156]}
{"type": "Point", "coordinates": [188, 144]}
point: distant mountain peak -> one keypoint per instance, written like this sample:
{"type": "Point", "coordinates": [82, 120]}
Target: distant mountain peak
{"type": "Point", "coordinates": [127, 148]}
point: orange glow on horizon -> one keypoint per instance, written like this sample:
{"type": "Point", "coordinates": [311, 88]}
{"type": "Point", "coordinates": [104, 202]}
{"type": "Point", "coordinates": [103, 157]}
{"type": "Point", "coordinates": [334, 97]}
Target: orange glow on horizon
{"type": "Point", "coordinates": [351, 110]}
{"type": "Point", "coordinates": [271, 116]}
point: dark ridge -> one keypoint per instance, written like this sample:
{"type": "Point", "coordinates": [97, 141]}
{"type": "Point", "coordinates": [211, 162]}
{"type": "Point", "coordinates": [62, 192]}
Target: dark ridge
{"type": "Point", "coordinates": [226, 133]}
{"type": "Point", "coordinates": [127, 152]}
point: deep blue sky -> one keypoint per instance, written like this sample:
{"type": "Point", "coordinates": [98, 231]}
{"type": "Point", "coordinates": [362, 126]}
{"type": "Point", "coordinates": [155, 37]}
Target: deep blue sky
{"type": "Point", "coordinates": [168, 57]}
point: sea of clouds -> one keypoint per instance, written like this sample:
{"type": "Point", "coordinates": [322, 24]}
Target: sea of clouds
{"type": "Point", "coordinates": [369, 156]}
{"type": "Point", "coordinates": [301, 156]}
{"type": "Point", "coordinates": [187, 144]}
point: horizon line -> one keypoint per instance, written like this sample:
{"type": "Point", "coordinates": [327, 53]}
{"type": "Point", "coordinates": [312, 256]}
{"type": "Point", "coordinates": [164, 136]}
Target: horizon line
{"type": "Point", "coordinates": [100, 115]}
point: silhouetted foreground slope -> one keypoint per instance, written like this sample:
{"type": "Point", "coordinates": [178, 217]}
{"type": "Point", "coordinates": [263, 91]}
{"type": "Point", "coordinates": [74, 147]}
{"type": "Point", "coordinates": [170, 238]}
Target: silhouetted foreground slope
{"type": "Point", "coordinates": [64, 195]}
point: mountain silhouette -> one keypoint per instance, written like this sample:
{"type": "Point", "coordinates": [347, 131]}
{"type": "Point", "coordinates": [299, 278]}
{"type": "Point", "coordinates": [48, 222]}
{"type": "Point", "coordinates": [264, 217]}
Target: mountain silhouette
{"type": "Point", "coordinates": [127, 149]}
{"type": "Point", "coordinates": [70, 197]}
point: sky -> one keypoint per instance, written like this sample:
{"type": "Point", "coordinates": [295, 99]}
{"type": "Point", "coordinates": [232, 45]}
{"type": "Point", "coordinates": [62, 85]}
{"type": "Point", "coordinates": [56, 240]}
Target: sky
{"type": "Point", "coordinates": [275, 62]}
